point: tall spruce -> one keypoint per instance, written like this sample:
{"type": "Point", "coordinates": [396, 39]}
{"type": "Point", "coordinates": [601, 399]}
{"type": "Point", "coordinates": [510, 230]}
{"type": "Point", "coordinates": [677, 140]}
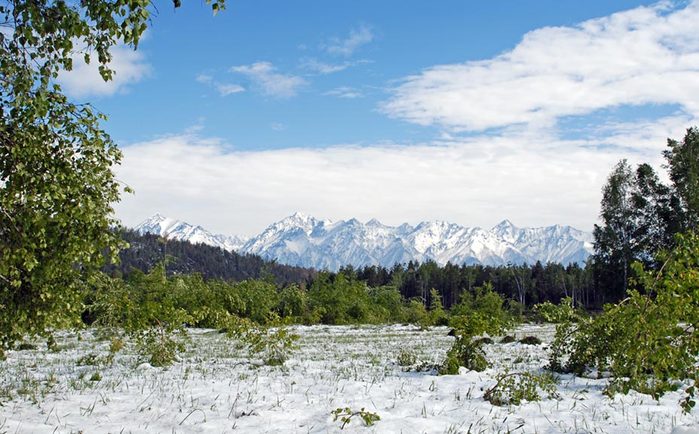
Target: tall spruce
{"type": "Point", "coordinates": [615, 242]}
{"type": "Point", "coordinates": [683, 166]}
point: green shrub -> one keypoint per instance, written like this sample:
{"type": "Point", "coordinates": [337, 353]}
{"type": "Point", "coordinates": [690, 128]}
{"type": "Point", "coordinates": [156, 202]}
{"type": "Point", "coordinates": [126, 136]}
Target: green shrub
{"type": "Point", "coordinates": [476, 314]}
{"type": "Point", "coordinates": [293, 303]}
{"type": "Point", "coordinates": [649, 341]}
{"type": "Point", "coordinates": [406, 358]}
{"type": "Point", "coordinates": [340, 299]}
{"type": "Point", "coordinates": [437, 315]}
{"type": "Point", "coordinates": [387, 304]}
{"type": "Point", "coordinates": [160, 346]}
{"type": "Point", "coordinates": [481, 312]}
{"type": "Point", "coordinates": [465, 352]}
{"type": "Point", "coordinates": [513, 388]}
{"type": "Point", "coordinates": [346, 414]}
{"type": "Point", "coordinates": [552, 313]}
{"type": "Point", "coordinates": [415, 312]}
{"type": "Point", "coordinates": [273, 345]}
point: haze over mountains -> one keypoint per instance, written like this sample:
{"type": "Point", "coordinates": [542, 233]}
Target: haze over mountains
{"type": "Point", "coordinates": [323, 244]}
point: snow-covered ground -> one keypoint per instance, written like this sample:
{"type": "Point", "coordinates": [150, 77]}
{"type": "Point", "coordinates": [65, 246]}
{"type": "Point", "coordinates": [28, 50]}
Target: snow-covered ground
{"type": "Point", "coordinates": [215, 388]}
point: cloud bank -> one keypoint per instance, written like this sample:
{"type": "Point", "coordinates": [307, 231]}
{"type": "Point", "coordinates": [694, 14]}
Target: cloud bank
{"type": "Point", "coordinates": [647, 55]}
{"type": "Point", "coordinates": [474, 182]}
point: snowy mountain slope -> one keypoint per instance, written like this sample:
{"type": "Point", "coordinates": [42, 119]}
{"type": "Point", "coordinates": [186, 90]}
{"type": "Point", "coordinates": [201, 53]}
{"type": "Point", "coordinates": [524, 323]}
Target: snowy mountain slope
{"type": "Point", "coordinates": [178, 230]}
{"type": "Point", "coordinates": [323, 244]}
{"type": "Point", "coordinates": [306, 241]}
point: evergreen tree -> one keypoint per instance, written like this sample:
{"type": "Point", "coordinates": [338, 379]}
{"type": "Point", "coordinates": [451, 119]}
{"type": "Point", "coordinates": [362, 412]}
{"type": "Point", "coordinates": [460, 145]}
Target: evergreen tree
{"type": "Point", "coordinates": [614, 241]}
{"type": "Point", "coordinates": [683, 165]}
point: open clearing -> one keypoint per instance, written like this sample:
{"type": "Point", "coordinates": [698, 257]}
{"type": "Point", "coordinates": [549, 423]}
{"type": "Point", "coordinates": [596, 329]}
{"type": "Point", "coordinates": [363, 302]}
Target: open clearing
{"type": "Point", "coordinates": [216, 387]}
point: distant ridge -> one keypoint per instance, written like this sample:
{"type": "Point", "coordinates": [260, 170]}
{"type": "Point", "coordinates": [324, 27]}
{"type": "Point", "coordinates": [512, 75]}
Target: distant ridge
{"type": "Point", "coordinates": [322, 244]}
{"type": "Point", "coordinates": [178, 230]}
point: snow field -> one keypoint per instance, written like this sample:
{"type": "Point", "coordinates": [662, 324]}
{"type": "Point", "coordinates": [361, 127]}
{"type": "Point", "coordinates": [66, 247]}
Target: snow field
{"type": "Point", "coordinates": [216, 387]}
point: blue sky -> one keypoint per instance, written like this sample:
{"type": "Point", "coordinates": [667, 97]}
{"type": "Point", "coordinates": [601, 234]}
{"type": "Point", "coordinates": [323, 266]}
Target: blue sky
{"type": "Point", "coordinates": [401, 110]}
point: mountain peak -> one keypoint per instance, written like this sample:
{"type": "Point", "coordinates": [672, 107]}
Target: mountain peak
{"type": "Point", "coordinates": [155, 218]}
{"type": "Point", "coordinates": [173, 229]}
{"type": "Point", "coordinates": [505, 224]}
{"type": "Point", "coordinates": [299, 217]}
{"type": "Point", "coordinates": [374, 222]}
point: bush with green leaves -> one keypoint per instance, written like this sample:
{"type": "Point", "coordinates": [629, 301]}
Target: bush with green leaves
{"type": "Point", "coordinates": [406, 358]}
{"type": "Point", "coordinates": [160, 345]}
{"type": "Point", "coordinates": [649, 342]}
{"type": "Point", "coordinates": [147, 309]}
{"type": "Point", "coordinates": [386, 304]}
{"type": "Point", "coordinates": [481, 312]}
{"type": "Point", "coordinates": [513, 388]}
{"type": "Point", "coordinates": [557, 313]}
{"type": "Point", "coordinates": [346, 414]}
{"type": "Point", "coordinates": [274, 345]}
{"type": "Point", "coordinates": [467, 352]}
{"type": "Point", "coordinates": [437, 315]}
{"type": "Point", "coordinates": [415, 312]}
{"type": "Point", "coordinates": [292, 303]}
{"type": "Point", "coordinates": [339, 299]}
{"type": "Point", "coordinates": [476, 314]}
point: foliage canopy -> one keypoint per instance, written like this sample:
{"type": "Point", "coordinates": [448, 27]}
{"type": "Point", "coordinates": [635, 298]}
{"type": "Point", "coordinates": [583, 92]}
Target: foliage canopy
{"type": "Point", "coordinates": [56, 181]}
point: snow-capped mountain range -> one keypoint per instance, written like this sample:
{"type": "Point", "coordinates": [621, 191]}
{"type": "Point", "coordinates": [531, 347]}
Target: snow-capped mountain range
{"type": "Point", "coordinates": [323, 244]}
{"type": "Point", "coordinates": [178, 230]}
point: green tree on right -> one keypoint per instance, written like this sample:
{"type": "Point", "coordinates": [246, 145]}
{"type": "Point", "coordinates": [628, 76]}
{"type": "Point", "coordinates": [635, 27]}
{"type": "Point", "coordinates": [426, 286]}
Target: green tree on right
{"type": "Point", "coordinates": [647, 256]}
{"type": "Point", "coordinates": [683, 166]}
{"type": "Point", "coordinates": [641, 216]}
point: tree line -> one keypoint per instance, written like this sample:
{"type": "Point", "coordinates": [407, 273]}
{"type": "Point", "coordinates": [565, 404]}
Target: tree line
{"type": "Point", "coordinates": [527, 284]}
{"type": "Point", "coordinates": [181, 257]}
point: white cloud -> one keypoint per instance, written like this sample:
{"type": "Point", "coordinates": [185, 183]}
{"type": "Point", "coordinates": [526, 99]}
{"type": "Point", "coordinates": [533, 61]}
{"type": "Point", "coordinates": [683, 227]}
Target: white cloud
{"type": "Point", "coordinates": [344, 92]}
{"type": "Point", "coordinates": [271, 83]}
{"type": "Point", "coordinates": [530, 179]}
{"type": "Point", "coordinates": [346, 47]}
{"type": "Point", "coordinates": [204, 78]}
{"type": "Point", "coordinates": [277, 126]}
{"type": "Point", "coordinates": [223, 89]}
{"type": "Point", "coordinates": [647, 55]}
{"type": "Point", "coordinates": [84, 80]}
{"type": "Point", "coordinates": [324, 68]}
{"type": "Point", "coordinates": [319, 67]}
